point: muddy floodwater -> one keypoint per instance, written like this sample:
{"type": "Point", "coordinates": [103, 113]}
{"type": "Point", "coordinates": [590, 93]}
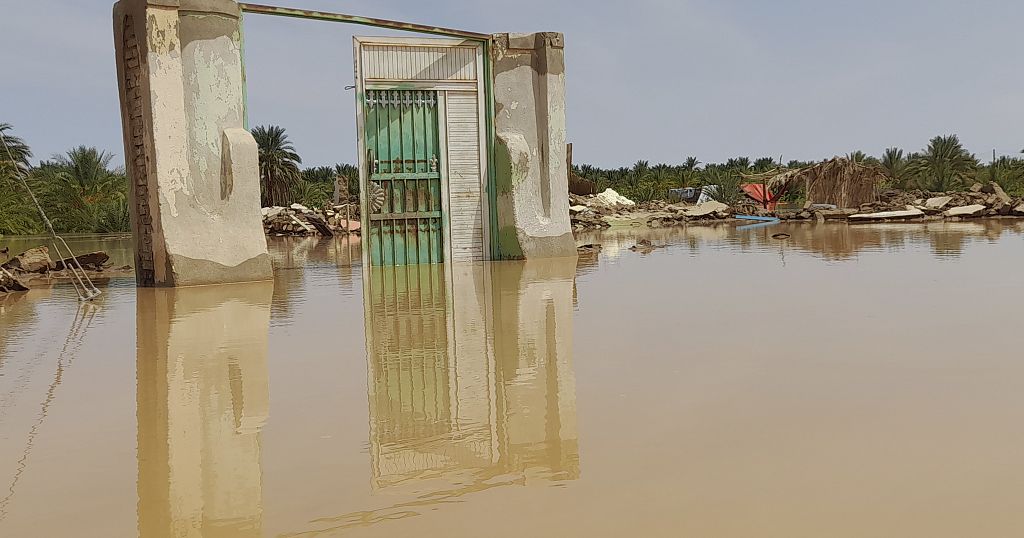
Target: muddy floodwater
{"type": "Point", "coordinates": [846, 381]}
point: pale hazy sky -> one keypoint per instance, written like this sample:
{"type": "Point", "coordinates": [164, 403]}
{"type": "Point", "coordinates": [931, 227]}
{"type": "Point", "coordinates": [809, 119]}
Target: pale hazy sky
{"type": "Point", "coordinates": [646, 79]}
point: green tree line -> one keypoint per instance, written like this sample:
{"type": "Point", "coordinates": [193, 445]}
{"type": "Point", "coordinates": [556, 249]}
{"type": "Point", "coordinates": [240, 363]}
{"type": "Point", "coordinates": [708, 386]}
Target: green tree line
{"type": "Point", "coordinates": [82, 192]}
{"type": "Point", "coordinates": [943, 165]}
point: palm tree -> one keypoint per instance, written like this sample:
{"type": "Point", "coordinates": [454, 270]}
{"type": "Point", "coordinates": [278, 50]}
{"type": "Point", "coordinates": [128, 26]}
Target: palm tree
{"type": "Point", "coordinates": [944, 165]}
{"type": "Point", "coordinates": [311, 193]}
{"type": "Point", "coordinates": [764, 164]}
{"type": "Point", "coordinates": [641, 169]}
{"type": "Point", "coordinates": [741, 164]}
{"type": "Point", "coordinates": [14, 149]}
{"type": "Point", "coordinates": [352, 174]}
{"type": "Point", "coordinates": [726, 185]}
{"type": "Point", "coordinates": [895, 166]}
{"type": "Point", "coordinates": [691, 164]}
{"type": "Point", "coordinates": [17, 212]}
{"type": "Point", "coordinates": [279, 164]}
{"type": "Point", "coordinates": [86, 194]}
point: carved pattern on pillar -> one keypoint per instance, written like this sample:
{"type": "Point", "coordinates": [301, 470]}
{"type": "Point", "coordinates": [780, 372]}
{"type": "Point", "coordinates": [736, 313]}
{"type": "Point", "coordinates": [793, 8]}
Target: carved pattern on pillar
{"type": "Point", "coordinates": [137, 166]}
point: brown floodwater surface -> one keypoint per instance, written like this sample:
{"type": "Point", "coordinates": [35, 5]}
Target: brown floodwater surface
{"type": "Point", "coordinates": [846, 381]}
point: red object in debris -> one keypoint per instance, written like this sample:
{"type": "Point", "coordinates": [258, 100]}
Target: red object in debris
{"type": "Point", "coordinates": [761, 195]}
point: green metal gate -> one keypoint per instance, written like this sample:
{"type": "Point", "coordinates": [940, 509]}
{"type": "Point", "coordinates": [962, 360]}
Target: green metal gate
{"type": "Point", "coordinates": [406, 224]}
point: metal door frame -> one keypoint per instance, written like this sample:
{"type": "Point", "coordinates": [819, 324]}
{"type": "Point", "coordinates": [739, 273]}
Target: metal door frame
{"type": "Point", "coordinates": [486, 93]}
{"type": "Point", "coordinates": [484, 103]}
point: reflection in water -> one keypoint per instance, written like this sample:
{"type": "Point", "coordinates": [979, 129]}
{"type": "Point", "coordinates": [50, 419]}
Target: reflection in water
{"type": "Point", "coordinates": [830, 241]}
{"type": "Point", "coordinates": [457, 406]}
{"type": "Point", "coordinates": [295, 258]}
{"type": "Point", "coordinates": [84, 317]}
{"type": "Point", "coordinates": [202, 398]}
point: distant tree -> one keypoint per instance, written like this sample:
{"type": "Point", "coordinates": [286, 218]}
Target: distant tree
{"type": "Point", "coordinates": [279, 164]}
{"type": "Point", "coordinates": [641, 169]}
{"type": "Point", "coordinates": [944, 165]}
{"type": "Point", "coordinates": [14, 150]}
{"type": "Point", "coordinates": [741, 164]}
{"type": "Point", "coordinates": [351, 173]}
{"type": "Point", "coordinates": [82, 193]}
{"type": "Point", "coordinates": [314, 194]}
{"type": "Point", "coordinates": [17, 213]}
{"type": "Point", "coordinates": [895, 166]}
{"type": "Point", "coordinates": [724, 185]}
{"type": "Point", "coordinates": [692, 164]}
{"type": "Point", "coordinates": [764, 164]}
{"type": "Point", "coordinates": [861, 157]}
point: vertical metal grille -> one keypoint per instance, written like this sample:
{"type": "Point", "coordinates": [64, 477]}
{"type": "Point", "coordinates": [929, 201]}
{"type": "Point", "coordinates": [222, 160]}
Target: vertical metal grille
{"type": "Point", "coordinates": [405, 224]}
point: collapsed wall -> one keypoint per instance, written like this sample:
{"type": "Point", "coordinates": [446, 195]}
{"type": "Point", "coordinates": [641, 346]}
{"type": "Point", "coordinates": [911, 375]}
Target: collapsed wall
{"type": "Point", "coordinates": [531, 173]}
{"type": "Point", "coordinates": [192, 167]}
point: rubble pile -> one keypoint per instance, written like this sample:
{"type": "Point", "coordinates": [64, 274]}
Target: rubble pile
{"type": "Point", "coordinates": [36, 263]}
{"type": "Point", "coordinates": [981, 200]}
{"type": "Point", "coordinates": [589, 212]}
{"type": "Point", "coordinates": [298, 219]}
{"type": "Point", "coordinates": [601, 210]}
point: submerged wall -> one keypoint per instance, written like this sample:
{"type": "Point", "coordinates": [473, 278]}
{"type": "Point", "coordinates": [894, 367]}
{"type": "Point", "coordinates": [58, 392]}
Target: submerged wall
{"type": "Point", "coordinates": [530, 154]}
{"type": "Point", "coordinates": [193, 168]}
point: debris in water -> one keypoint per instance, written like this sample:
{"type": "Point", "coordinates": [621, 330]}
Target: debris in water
{"type": "Point", "coordinates": [644, 246]}
{"type": "Point", "coordinates": [34, 260]}
{"type": "Point", "coordinates": [781, 236]}
{"type": "Point", "coordinates": [8, 283]}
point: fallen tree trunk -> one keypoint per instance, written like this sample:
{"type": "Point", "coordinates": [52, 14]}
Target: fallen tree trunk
{"type": "Point", "coordinates": [93, 260]}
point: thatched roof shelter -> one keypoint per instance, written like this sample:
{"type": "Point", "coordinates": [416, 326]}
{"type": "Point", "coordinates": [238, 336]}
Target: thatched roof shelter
{"type": "Point", "coordinates": [837, 181]}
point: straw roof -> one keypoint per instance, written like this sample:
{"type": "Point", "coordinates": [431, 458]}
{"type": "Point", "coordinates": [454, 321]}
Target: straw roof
{"type": "Point", "coordinates": [838, 181]}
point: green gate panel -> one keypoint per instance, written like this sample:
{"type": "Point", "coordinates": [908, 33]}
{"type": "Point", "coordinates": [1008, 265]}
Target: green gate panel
{"type": "Point", "coordinates": [405, 225]}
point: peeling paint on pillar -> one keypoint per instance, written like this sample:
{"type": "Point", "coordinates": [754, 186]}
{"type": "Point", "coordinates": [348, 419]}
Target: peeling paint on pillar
{"type": "Point", "coordinates": [196, 216]}
{"type": "Point", "coordinates": [531, 176]}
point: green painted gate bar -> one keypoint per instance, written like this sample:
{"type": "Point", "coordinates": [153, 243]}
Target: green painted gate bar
{"type": "Point", "coordinates": [402, 145]}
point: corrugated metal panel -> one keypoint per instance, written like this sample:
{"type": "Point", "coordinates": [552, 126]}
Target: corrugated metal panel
{"type": "Point", "coordinates": [384, 62]}
{"type": "Point", "coordinates": [465, 197]}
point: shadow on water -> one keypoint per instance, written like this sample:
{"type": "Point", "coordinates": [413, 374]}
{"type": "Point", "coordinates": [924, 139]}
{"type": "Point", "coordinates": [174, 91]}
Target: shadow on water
{"type": "Point", "coordinates": [469, 382]}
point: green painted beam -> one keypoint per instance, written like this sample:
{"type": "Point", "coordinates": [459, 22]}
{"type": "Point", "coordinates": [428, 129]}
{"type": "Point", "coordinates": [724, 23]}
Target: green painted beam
{"type": "Point", "coordinates": [365, 21]}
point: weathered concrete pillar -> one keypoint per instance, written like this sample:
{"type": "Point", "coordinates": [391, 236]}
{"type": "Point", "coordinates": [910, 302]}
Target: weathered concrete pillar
{"type": "Point", "coordinates": [193, 169]}
{"type": "Point", "coordinates": [530, 164]}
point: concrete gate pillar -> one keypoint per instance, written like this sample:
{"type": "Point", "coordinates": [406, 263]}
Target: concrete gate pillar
{"type": "Point", "coordinates": [193, 168]}
{"type": "Point", "coordinates": [530, 155]}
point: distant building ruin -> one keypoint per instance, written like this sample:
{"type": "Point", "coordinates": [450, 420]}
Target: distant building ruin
{"type": "Point", "coordinates": [463, 134]}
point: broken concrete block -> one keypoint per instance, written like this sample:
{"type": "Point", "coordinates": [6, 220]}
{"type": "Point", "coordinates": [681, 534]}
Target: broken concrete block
{"type": "Point", "coordinates": [706, 209]}
{"type": "Point", "coordinates": [965, 211]}
{"type": "Point", "coordinates": [1000, 194]}
{"type": "Point", "coordinates": [909, 213]}
{"type": "Point", "coordinates": [938, 202]}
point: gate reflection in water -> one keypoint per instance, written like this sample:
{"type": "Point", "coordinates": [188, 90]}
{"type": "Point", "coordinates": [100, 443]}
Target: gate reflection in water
{"type": "Point", "coordinates": [203, 396]}
{"type": "Point", "coordinates": [470, 375]}
{"type": "Point", "coordinates": [470, 387]}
